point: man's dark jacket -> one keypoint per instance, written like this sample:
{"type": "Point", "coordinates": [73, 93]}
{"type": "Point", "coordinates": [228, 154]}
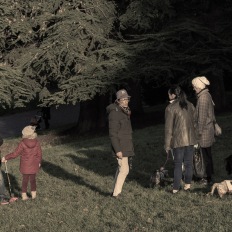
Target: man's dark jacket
{"type": "Point", "coordinates": [120, 130]}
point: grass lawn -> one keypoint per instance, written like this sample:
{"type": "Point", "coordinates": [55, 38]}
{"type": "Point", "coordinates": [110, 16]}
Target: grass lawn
{"type": "Point", "coordinates": [75, 182]}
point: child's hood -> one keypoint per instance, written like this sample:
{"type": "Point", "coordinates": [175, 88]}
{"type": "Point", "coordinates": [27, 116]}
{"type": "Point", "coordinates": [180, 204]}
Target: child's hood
{"type": "Point", "coordinates": [30, 143]}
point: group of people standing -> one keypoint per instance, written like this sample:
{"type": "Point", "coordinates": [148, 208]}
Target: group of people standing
{"type": "Point", "coordinates": [186, 126]}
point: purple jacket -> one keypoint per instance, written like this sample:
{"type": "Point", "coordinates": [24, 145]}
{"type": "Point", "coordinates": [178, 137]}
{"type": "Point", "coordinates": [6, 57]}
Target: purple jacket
{"type": "Point", "coordinates": [30, 154]}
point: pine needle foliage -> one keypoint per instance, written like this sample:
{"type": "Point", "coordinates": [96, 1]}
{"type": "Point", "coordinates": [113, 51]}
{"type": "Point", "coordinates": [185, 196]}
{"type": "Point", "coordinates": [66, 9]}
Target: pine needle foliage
{"type": "Point", "coordinates": [9, 94]}
{"type": "Point", "coordinates": [70, 51]}
{"type": "Point", "coordinates": [145, 16]}
{"type": "Point", "coordinates": [65, 46]}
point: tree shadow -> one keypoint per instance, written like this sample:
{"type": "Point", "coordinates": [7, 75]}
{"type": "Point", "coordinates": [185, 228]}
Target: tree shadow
{"type": "Point", "coordinates": [104, 164]}
{"type": "Point", "coordinates": [98, 162]}
{"type": "Point", "coordinates": [201, 190]}
{"type": "Point", "coordinates": [61, 173]}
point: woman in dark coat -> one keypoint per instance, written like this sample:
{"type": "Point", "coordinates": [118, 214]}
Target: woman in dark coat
{"type": "Point", "coordinates": [180, 135]}
{"type": "Point", "coordinates": [120, 133]}
{"type": "Point", "coordinates": [30, 154]}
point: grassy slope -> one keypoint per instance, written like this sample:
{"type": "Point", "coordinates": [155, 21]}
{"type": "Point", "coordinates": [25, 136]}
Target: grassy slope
{"type": "Point", "coordinates": [76, 179]}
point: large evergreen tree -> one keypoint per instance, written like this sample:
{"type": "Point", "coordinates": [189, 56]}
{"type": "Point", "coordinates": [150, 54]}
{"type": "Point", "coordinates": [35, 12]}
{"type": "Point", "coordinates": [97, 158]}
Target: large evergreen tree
{"type": "Point", "coordinates": [66, 46]}
{"type": "Point", "coordinates": [79, 51]}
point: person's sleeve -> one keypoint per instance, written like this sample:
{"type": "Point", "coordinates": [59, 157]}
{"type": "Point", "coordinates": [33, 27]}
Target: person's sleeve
{"type": "Point", "coordinates": [39, 153]}
{"type": "Point", "coordinates": [168, 128]}
{"type": "Point", "coordinates": [114, 127]}
{"type": "Point", "coordinates": [16, 153]}
{"type": "Point", "coordinates": [202, 112]}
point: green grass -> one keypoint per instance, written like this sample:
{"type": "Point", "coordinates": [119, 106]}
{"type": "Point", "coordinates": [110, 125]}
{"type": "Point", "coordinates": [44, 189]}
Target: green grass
{"type": "Point", "coordinates": [76, 179]}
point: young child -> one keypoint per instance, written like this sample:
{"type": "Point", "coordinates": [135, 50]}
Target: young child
{"type": "Point", "coordinates": [30, 154]}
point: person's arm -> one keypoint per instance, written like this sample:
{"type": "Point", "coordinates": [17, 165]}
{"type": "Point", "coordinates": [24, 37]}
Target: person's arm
{"type": "Point", "coordinates": [203, 108]}
{"type": "Point", "coordinates": [39, 154]}
{"type": "Point", "coordinates": [114, 127]}
{"type": "Point", "coordinates": [168, 128]}
{"type": "Point", "coordinates": [14, 154]}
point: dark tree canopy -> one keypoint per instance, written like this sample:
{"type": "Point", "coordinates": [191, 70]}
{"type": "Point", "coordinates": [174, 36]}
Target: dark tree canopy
{"type": "Point", "coordinates": [64, 52]}
{"type": "Point", "coordinates": [175, 41]}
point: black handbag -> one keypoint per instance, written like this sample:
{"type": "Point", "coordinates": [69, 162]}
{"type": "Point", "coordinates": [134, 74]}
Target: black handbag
{"type": "Point", "coordinates": [198, 163]}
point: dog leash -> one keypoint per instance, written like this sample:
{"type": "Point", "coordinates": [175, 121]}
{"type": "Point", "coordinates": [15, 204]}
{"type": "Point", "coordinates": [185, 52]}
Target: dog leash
{"type": "Point", "coordinates": [170, 151]}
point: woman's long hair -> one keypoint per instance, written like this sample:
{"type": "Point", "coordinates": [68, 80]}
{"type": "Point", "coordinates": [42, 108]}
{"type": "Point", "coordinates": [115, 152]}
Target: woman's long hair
{"type": "Point", "coordinates": [180, 95]}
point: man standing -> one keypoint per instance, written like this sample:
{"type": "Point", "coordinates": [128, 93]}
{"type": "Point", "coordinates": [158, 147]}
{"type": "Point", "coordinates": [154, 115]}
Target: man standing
{"type": "Point", "coordinates": [120, 133]}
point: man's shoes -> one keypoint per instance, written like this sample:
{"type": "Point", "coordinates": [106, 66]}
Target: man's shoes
{"type": "Point", "coordinates": [115, 197]}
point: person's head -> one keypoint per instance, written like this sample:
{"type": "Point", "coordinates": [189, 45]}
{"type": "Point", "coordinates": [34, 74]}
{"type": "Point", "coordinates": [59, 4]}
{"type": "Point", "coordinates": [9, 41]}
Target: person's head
{"type": "Point", "coordinates": [123, 98]}
{"type": "Point", "coordinates": [175, 92]}
{"type": "Point", "coordinates": [200, 83]}
{"type": "Point", "coordinates": [28, 132]}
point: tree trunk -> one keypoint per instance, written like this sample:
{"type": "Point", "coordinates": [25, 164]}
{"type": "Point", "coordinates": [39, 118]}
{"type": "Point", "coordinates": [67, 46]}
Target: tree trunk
{"type": "Point", "coordinates": [216, 76]}
{"type": "Point", "coordinates": [136, 99]}
{"type": "Point", "coordinates": [92, 115]}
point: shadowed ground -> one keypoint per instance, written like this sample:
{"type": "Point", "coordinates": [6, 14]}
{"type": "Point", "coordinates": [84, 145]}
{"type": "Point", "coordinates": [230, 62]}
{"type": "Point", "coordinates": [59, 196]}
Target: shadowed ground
{"type": "Point", "coordinates": [12, 125]}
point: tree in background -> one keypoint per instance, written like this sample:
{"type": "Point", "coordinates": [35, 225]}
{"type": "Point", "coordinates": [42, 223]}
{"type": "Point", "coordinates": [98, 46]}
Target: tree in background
{"type": "Point", "coordinates": [65, 46]}
{"type": "Point", "coordinates": [175, 41]}
{"type": "Point", "coordinates": [9, 94]}
{"type": "Point", "coordinates": [73, 51]}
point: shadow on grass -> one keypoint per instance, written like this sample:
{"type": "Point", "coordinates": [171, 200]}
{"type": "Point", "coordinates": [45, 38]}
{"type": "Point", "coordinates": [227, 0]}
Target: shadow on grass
{"type": "Point", "coordinates": [104, 164]}
{"type": "Point", "coordinates": [15, 189]}
{"type": "Point", "coordinates": [61, 173]}
{"type": "Point", "coordinates": [202, 190]}
{"type": "Point", "coordinates": [99, 162]}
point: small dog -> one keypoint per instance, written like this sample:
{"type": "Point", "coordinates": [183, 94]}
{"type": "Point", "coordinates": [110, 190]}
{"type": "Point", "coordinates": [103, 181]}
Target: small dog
{"type": "Point", "coordinates": [158, 177]}
{"type": "Point", "coordinates": [222, 188]}
{"type": "Point", "coordinates": [228, 163]}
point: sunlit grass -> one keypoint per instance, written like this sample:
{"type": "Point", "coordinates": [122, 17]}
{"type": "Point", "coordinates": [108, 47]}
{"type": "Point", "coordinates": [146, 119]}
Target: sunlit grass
{"type": "Point", "coordinates": [75, 182]}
